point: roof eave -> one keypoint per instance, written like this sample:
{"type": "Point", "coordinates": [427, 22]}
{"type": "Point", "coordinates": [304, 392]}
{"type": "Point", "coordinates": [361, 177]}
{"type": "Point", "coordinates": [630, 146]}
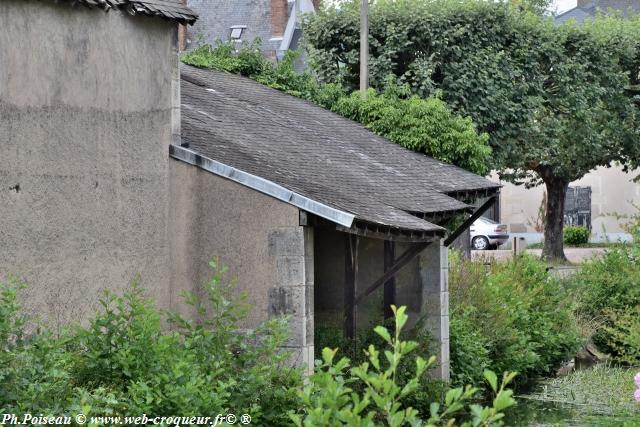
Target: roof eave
{"type": "Point", "coordinates": [262, 185]}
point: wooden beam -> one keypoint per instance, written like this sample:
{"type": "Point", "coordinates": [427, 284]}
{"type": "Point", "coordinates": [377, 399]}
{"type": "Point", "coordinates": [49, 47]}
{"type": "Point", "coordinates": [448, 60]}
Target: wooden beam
{"type": "Point", "coordinates": [350, 277]}
{"type": "Point", "coordinates": [403, 260]}
{"type": "Point", "coordinates": [390, 285]}
{"type": "Point", "coordinates": [477, 214]}
{"type": "Point", "coordinates": [395, 236]}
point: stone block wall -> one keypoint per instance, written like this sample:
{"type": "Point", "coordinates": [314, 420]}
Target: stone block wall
{"type": "Point", "coordinates": [434, 274]}
{"type": "Point", "coordinates": [292, 296]}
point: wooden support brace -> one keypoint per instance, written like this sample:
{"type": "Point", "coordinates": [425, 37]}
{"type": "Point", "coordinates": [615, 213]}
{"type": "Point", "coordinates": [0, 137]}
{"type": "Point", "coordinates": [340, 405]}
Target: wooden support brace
{"type": "Point", "coordinates": [403, 260]}
{"type": "Point", "coordinates": [390, 285]}
{"type": "Point", "coordinates": [351, 273]}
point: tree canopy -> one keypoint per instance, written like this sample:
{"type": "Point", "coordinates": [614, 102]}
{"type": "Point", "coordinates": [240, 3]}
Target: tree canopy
{"type": "Point", "coordinates": [555, 100]}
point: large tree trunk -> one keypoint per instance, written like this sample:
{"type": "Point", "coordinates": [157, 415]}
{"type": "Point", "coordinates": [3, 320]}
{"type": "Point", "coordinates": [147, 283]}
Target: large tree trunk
{"type": "Point", "coordinates": [554, 219]}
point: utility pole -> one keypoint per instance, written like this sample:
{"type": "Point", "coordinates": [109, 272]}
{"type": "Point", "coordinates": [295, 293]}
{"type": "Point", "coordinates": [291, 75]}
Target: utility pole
{"type": "Point", "coordinates": [364, 47]}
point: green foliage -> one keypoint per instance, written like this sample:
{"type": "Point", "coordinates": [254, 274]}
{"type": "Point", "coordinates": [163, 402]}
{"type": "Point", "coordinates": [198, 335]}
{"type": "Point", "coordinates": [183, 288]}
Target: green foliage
{"type": "Point", "coordinates": [469, 348]}
{"type": "Point", "coordinates": [508, 316]}
{"type": "Point", "coordinates": [423, 125]}
{"type": "Point", "coordinates": [576, 235]}
{"type": "Point", "coordinates": [332, 398]}
{"type": "Point", "coordinates": [429, 390]}
{"type": "Point", "coordinates": [622, 332]}
{"type": "Point", "coordinates": [126, 363]}
{"type": "Point", "coordinates": [247, 61]}
{"type": "Point", "coordinates": [609, 291]}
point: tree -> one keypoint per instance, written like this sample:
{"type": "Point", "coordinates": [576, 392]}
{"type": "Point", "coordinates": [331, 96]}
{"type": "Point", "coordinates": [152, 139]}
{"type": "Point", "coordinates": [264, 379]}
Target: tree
{"type": "Point", "coordinates": [554, 99]}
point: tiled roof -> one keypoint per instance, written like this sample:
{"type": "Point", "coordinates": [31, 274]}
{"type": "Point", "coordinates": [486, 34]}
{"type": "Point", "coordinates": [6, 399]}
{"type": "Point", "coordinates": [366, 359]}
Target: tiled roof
{"type": "Point", "coordinates": [317, 154]}
{"type": "Point", "coordinates": [169, 9]}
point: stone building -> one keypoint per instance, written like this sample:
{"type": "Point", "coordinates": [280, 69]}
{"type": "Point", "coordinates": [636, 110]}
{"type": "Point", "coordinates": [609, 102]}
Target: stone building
{"type": "Point", "coordinates": [314, 212]}
{"type": "Point", "coordinates": [89, 103]}
{"type": "Point", "coordinates": [119, 162]}
{"type": "Point", "coordinates": [275, 22]}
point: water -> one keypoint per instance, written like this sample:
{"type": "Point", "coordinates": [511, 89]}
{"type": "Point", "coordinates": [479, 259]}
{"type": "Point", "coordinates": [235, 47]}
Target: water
{"type": "Point", "coordinates": [538, 413]}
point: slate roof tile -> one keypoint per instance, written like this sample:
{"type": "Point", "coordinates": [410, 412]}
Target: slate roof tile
{"type": "Point", "coordinates": [316, 153]}
{"type": "Point", "coordinates": [173, 10]}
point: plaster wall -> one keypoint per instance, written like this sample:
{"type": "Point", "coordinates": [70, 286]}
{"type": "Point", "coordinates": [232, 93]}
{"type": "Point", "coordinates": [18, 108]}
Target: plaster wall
{"type": "Point", "coordinates": [613, 193]}
{"type": "Point", "coordinates": [256, 236]}
{"type": "Point", "coordinates": [85, 124]}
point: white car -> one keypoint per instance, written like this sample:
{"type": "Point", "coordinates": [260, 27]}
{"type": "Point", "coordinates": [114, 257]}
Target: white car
{"type": "Point", "coordinates": [487, 234]}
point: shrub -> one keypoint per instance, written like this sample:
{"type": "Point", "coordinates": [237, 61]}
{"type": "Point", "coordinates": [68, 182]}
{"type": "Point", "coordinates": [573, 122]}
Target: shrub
{"type": "Point", "coordinates": [609, 291]}
{"type": "Point", "coordinates": [126, 363]}
{"type": "Point", "coordinates": [622, 332]}
{"type": "Point", "coordinates": [429, 389]}
{"type": "Point", "coordinates": [509, 316]}
{"type": "Point", "coordinates": [575, 235]}
{"type": "Point", "coordinates": [371, 395]}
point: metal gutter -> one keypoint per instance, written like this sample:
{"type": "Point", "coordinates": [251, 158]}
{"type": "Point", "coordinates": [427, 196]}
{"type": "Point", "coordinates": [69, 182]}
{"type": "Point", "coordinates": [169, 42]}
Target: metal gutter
{"type": "Point", "coordinates": [262, 185]}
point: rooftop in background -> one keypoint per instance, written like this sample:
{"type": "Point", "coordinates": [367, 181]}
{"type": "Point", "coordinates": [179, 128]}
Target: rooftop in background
{"type": "Point", "coordinates": [173, 10]}
{"type": "Point", "coordinates": [246, 130]}
{"type": "Point", "coordinates": [587, 9]}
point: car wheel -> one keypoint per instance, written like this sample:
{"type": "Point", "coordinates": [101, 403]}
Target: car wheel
{"type": "Point", "coordinates": [480, 243]}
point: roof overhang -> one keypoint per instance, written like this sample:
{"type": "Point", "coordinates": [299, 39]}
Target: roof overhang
{"type": "Point", "coordinates": [262, 185]}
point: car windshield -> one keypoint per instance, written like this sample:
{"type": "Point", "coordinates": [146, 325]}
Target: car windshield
{"type": "Point", "coordinates": [483, 220]}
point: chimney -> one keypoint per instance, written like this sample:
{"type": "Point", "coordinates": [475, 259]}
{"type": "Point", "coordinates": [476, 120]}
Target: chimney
{"type": "Point", "coordinates": [316, 4]}
{"type": "Point", "coordinates": [279, 17]}
{"type": "Point", "coordinates": [584, 3]}
{"type": "Point", "coordinates": [182, 33]}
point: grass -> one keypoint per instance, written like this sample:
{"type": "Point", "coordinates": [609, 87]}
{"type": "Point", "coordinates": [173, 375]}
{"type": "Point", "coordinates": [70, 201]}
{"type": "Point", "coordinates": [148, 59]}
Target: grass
{"type": "Point", "coordinates": [602, 395]}
{"type": "Point", "coordinates": [604, 388]}
{"type": "Point", "coordinates": [585, 245]}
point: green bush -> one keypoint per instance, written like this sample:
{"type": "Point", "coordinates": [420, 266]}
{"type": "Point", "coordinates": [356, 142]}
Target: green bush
{"type": "Point", "coordinates": [424, 125]}
{"type": "Point", "coordinates": [608, 289]}
{"type": "Point", "coordinates": [508, 316]}
{"type": "Point", "coordinates": [622, 333]}
{"type": "Point", "coordinates": [575, 235]}
{"type": "Point", "coordinates": [328, 334]}
{"type": "Point", "coordinates": [126, 363]}
{"type": "Point", "coordinates": [371, 394]}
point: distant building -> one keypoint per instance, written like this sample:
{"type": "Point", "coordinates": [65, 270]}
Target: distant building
{"type": "Point", "coordinates": [587, 9]}
{"type": "Point", "coordinates": [274, 22]}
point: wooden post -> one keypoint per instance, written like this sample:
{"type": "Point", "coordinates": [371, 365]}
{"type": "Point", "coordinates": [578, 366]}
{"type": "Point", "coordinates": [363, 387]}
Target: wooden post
{"type": "Point", "coordinates": [390, 285]}
{"type": "Point", "coordinates": [364, 47]}
{"type": "Point", "coordinates": [351, 273]}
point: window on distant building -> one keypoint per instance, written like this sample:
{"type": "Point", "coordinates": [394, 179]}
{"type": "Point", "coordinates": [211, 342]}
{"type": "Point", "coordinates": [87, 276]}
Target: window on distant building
{"type": "Point", "coordinates": [236, 32]}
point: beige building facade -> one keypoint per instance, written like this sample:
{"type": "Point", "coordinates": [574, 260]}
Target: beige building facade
{"type": "Point", "coordinates": [614, 197]}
